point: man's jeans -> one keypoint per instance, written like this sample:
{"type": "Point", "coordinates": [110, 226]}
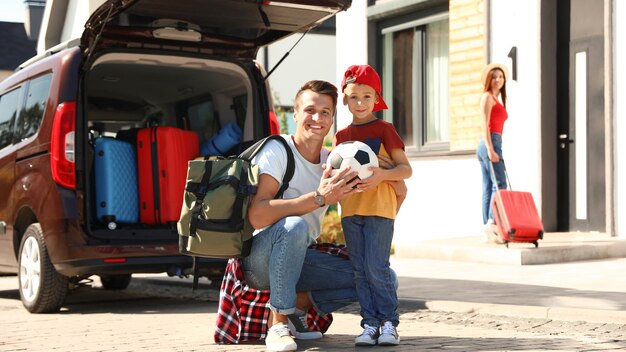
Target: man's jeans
{"type": "Point", "coordinates": [369, 241]}
{"type": "Point", "coordinates": [281, 262]}
{"type": "Point", "coordinates": [489, 189]}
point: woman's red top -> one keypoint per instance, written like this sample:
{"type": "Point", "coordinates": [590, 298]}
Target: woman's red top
{"type": "Point", "coordinates": [498, 116]}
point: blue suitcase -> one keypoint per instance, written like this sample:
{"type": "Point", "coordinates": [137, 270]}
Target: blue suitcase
{"type": "Point", "coordinates": [117, 199]}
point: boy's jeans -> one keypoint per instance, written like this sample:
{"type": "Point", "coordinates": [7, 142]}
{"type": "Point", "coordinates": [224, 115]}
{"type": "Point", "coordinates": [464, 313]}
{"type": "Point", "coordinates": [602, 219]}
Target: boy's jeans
{"type": "Point", "coordinates": [489, 189]}
{"type": "Point", "coordinates": [369, 242]}
{"type": "Point", "coordinates": [281, 262]}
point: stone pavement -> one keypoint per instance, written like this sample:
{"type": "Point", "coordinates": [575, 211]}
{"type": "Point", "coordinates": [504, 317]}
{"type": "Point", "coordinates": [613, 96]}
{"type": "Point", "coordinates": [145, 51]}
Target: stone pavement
{"type": "Point", "coordinates": [444, 305]}
{"type": "Point", "coordinates": [131, 321]}
{"type": "Point", "coordinates": [475, 280]}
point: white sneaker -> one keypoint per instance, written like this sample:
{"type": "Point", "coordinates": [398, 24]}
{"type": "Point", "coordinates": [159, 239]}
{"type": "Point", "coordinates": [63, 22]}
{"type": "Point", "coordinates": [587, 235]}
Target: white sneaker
{"type": "Point", "coordinates": [278, 338]}
{"type": "Point", "coordinates": [368, 337]}
{"type": "Point", "coordinates": [389, 335]}
{"type": "Point", "coordinates": [300, 329]}
{"type": "Point", "coordinates": [491, 233]}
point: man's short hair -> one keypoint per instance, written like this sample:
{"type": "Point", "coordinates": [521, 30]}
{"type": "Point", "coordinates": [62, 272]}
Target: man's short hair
{"type": "Point", "coordinates": [319, 87]}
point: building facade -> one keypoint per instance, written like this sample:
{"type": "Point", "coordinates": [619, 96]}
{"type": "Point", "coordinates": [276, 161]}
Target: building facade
{"type": "Point", "coordinates": [562, 138]}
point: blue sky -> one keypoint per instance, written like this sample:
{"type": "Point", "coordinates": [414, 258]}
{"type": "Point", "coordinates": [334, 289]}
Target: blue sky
{"type": "Point", "coordinates": [12, 10]}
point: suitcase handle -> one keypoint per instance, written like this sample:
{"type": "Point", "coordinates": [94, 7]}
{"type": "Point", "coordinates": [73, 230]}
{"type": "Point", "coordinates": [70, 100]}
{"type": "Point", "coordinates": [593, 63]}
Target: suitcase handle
{"type": "Point", "coordinates": [493, 174]}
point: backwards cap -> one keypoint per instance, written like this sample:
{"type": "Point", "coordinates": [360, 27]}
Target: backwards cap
{"type": "Point", "coordinates": [364, 74]}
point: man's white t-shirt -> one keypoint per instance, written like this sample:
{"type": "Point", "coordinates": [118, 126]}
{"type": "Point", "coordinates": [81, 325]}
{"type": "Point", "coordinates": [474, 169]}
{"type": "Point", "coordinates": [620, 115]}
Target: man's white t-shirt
{"type": "Point", "coordinates": [272, 160]}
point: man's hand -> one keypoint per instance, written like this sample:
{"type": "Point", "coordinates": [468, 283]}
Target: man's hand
{"type": "Point", "coordinates": [335, 188]}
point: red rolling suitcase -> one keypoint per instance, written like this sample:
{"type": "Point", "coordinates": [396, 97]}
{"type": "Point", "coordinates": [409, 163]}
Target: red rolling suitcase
{"type": "Point", "coordinates": [162, 156]}
{"type": "Point", "coordinates": [516, 215]}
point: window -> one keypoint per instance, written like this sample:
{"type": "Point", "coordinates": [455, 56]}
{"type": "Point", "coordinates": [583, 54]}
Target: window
{"type": "Point", "coordinates": [32, 113]}
{"type": "Point", "coordinates": [415, 71]}
{"type": "Point", "coordinates": [202, 118]}
{"type": "Point", "coordinates": [8, 113]}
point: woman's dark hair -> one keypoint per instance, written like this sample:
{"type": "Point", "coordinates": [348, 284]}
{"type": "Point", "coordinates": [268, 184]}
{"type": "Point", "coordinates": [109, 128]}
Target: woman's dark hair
{"type": "Point", "coordinates": [319, 87]}
{"type": "Point", "coordinates": [488, 84]}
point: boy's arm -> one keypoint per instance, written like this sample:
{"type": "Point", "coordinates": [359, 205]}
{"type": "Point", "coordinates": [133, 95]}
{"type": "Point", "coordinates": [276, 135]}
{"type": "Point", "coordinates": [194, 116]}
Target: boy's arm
{"type": "Point", "coordinates": [402, 170]}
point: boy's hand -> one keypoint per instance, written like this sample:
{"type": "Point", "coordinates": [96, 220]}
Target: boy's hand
{"type": "Point", "coordinates": [385, 162]}
{"type": "Point", "coordinates": [378, 176]}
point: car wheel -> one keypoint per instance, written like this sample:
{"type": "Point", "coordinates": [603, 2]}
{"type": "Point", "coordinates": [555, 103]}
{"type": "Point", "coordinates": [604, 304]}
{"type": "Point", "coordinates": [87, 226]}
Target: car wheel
{"type": "Point", "coordinates": [115, 282]}
{"type": "Point", "coordinates": [42, 288]}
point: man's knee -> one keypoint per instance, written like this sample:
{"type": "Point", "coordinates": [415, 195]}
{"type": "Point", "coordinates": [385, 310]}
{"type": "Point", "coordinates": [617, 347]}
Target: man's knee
{"type": "Point", "coordinates": [296, 228]}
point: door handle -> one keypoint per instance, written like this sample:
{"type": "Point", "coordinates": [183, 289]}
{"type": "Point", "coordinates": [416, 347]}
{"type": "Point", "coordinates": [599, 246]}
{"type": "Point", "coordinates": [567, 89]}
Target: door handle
{"type": "Point", "coordinates": [564, 140]}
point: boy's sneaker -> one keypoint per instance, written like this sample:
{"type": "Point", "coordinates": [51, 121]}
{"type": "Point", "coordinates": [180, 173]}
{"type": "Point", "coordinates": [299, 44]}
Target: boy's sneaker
{"type": "Point", "coordinates": [368, 337]}
{"type": "Point", "coordinates": [389, 335]}
{"type": "Point", "coordinates": [300, 329]}
{"type": "Point", "coordinates": [278, 338]}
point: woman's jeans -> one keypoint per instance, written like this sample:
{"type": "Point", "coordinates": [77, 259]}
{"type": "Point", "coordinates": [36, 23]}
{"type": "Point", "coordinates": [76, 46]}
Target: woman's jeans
{"type": "Point", "coordinates": [489, 189]}
{"type": "Point", "coordinates": [280, 261]}
{"type": "Point", "coordinates": [369, 241]}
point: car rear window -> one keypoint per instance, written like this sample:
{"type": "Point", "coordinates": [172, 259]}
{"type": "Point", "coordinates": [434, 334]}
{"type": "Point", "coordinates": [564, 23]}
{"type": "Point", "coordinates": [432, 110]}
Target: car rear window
{"type": "Point", "coordinates": [32, 113]}
{"type": "Point", "coordinates": [8, 113]}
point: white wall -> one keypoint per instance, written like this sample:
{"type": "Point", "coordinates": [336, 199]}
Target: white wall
{"type": "Point", "coordinates": [351, 50]}
{"type": "Point", "coordinates": [444, 200]}
{"type": "Point", "coordinates": [516, 23]}
{"type": "Point", "coordinates": [313, 58]}
{"type": "Point", "coordinates": [78, 12]}
{"type": "Point", "coordinates": [64, 20]}
{"type": "Point", "coordinates": [619, 101]}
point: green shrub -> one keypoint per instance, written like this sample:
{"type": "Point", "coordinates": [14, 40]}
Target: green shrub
{"type": "Point", "coordinates": [332, 232]}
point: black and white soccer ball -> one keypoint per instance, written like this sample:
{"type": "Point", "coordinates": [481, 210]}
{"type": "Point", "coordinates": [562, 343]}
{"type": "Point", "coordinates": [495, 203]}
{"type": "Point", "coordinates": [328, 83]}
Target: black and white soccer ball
{"type": "Point", "coordinates": [358, 155]}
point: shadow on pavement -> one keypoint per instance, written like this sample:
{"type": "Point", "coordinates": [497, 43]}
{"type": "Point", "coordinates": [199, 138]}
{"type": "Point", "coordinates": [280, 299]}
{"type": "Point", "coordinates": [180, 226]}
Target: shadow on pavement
{"type": "Point", "coordinates": [143, 296]}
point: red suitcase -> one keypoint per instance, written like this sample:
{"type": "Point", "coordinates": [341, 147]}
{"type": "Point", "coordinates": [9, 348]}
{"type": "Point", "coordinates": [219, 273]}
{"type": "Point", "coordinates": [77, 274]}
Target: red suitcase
{"type": "Point", "coordinates": [162, 156]}
{"type": "Point", "coordinates": [516, 215]}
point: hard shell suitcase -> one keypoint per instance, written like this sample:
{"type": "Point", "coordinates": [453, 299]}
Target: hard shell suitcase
{"type": "Point", "coordinates": [516, 215]}
{"type": "Point", "coordinates": [116, 182]}
{"type": "Point", "coordinates": [163, 153]}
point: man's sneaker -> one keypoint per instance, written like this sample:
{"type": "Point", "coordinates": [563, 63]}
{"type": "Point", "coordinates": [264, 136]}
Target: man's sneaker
{"type": "Point", "coordinates": [278, 338]}
{"type": "Point", "coordinates": [368, 337]}
{"type": "Point", "coordinates": [300, 329]}
{"type": "Point", "coordinates": [388, 335]}
{"type": "Point", "coordinates": [491, 233]}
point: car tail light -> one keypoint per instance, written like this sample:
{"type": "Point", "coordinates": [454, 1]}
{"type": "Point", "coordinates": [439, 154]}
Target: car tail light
{"type": "Point", "coordinates": [62, 162]}
{"type": "Point", "coordinates": [274, 126]}
{"type": "Point", "coordinates": [114, 260]}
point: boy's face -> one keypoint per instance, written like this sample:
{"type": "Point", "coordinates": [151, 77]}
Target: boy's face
{"type": "Point", "coordinates": [314, 115]}
{"type": "Point", "coordinates": [360, 99]}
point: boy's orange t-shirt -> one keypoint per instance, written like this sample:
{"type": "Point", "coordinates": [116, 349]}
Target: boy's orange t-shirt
{"type": "Point", "coordinates": [381, 201]}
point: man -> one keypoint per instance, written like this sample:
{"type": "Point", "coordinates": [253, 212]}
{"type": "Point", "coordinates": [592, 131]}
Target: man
{"type": "Point", "coordinates": [280, 260]}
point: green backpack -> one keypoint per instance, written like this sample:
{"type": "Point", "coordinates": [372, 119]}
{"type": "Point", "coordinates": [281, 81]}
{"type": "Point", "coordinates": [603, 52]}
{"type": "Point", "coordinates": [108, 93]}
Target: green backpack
{"type": "Point", "coordinates": [214, 217]}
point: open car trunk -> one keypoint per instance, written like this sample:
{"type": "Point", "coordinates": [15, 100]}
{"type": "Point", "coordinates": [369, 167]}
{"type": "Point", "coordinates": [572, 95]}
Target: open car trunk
{"type": "Point", "coordinates": [127, 92]}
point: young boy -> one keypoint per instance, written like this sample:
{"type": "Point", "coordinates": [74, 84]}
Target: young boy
{"type": "Point", "coordinates": [368, 216]}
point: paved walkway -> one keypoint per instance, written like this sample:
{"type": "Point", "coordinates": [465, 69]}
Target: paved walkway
{"type": "Point", "coordinates": [582, 290]}
{"type": "Point", "coordinates": [575, 306]}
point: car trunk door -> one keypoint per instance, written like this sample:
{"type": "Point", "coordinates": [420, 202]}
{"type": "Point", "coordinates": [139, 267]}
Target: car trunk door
{"type": "Point", "coordinates": [235, 28]}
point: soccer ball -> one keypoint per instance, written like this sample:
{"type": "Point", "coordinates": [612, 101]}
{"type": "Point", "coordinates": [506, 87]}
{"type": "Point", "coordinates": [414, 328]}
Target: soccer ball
{"type": "Point", "coordinates": [358, 155]}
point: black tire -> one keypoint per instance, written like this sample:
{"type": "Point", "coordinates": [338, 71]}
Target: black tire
{"type": "Point", "coordinates": [115, 282]}
{"type": "Point", "coordinates": [42, 288]}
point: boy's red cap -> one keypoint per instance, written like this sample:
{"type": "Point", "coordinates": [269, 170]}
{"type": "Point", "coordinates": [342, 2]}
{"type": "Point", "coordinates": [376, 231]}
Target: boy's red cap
{"type": "Point", "coordinates": [364, 74]}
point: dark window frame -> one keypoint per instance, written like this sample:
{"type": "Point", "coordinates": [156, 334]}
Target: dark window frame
{"type": "Point", "coordinates": [400, 17]}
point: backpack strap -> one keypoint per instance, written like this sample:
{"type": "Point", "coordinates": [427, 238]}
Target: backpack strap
{"type": "Point", "coordinates": [249, 153]}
